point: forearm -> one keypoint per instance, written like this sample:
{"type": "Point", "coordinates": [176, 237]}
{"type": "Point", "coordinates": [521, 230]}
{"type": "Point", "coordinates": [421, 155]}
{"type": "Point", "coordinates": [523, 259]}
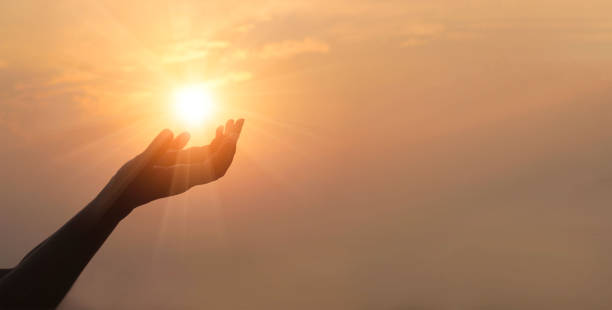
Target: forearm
{"type": "Point", "coordinates": [3, 272]}
{"type": "Point", "coordinates": [47, 273]}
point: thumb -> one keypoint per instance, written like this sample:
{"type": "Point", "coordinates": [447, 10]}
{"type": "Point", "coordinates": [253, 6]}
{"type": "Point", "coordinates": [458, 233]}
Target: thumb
{"type": "Point", "coordinates": [159, 145]}
{"type": "Point", "coordinates": [156, 148]}
{"type": "Point", "coordinates": [130, 171]}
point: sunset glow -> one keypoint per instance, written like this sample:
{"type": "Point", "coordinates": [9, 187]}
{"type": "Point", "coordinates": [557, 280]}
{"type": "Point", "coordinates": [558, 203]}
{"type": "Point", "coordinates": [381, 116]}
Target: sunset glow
{"type": "Point", "coordinates": [401, 154]}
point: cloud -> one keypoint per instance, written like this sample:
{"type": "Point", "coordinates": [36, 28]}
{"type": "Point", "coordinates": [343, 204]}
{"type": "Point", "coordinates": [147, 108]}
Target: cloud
{"type": "Point", "coordinates": [290, 48]}
{"type": "Point", "coordinates": [240, 76]}
{"type": "Point", "coordinates": [72, 77]}
{"type": "Point", "coordinates": [191, 50]}
{"type": "Point", "coordinates": [232, 77]}
{"type": "Point", "coordinates": [244, 28]}
{"type": "Point", "coordinates": [414, 42]}
{"type": "Point", "coordinates": [240, 54]}
{"type": "Point", "coordinates": [421, 34]}
{"type": "Point", "coordinates": [423, 29]}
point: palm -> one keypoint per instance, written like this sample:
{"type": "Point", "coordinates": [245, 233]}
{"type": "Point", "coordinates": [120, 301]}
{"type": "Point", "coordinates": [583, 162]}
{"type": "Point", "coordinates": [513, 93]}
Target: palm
{"type": "Point", "coordinates": [173, 170]}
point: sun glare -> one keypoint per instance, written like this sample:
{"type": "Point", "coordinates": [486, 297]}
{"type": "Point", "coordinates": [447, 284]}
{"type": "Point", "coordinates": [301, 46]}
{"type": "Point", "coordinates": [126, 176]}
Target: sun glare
{"type": "Point", "coordinates": [193, 104]}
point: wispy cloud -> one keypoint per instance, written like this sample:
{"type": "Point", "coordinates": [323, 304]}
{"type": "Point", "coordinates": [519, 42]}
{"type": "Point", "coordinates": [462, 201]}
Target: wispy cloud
{"type": "Point", "coordinates": [421, 33]}
{"type": "Point", "coordinates": [231, 77]}
{"type": "Point", "coordinates": [191, 50]}
{"type": "Point", "coordinates": [290, 48]}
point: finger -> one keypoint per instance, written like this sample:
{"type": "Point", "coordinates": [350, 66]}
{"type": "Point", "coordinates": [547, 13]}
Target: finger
{"type": "Point", "coordinates": [159, 145]}
{"type": "Point", "coordinates": [235, 134]}
{"type": "Point", "coordinates": [216, 142]}
{"type": "Point", "coordinates": [192, 154]}
{"type": "Point", "coordinates": [219, 133]}
{"type": "Point", "coordinates": [180, 141]}
{"type": "Point", "coordinates": [239, 124]}
{"type": "Point", "coordinates": [154, 151]}
{"type": "Point", "coordinates": [229, 126]}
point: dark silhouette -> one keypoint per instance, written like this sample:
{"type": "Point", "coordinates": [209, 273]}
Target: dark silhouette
{"type": "Point", "coordinates": [46, 274]}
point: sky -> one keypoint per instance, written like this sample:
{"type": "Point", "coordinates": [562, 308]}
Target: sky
{"type": "Point", "coordinates": [440, 154]}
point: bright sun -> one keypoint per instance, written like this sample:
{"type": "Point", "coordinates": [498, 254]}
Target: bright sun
{"type": "Point", "coordinates": [193, 104]}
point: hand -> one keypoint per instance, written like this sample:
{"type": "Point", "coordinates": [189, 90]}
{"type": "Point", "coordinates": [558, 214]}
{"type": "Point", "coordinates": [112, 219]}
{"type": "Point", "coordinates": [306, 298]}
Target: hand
{"type": "Point", "coordinates": [165, 168]}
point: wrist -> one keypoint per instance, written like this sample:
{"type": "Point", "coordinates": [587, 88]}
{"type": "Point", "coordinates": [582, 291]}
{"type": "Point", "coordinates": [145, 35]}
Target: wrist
{"type": "Point", "coordinates": [115, 210]}
{"type": "Point", "coordinates": [121, 208]}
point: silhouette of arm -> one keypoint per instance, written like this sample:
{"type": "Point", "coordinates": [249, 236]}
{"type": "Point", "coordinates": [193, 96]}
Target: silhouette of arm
{"type": "Point", "coordinates": [46, 274]}
{"type": "Point", "coordinates": [4, 271]}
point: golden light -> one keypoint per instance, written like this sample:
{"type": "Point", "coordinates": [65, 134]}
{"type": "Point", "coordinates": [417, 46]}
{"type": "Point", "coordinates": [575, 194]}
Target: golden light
{"type": "Point", "coordinates": [193, 104]}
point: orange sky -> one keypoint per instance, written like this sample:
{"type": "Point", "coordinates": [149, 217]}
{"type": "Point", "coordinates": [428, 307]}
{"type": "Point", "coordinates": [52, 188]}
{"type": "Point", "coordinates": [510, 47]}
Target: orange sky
{"type": "Point", "coordinates": [397, 154]}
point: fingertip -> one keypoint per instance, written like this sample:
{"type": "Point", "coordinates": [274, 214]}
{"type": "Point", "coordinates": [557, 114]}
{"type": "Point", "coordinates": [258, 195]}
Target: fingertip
{"type": "Point", "coordinates": [165, 136]}
{"type": "Point", "coordinates": [162, 141]}
{"type": "Point", "coordinates": [165, 132]}
{"type": "Point", "coordinates": [219, 132]}
{"type": "Point", "coordinates": [239, 124]}
{"type": "Point", "coordinates": [181, 140]}
{"type": "Point", "coordinates": [234, 132]}
{"type": "Point", "coordinates": [229, 126]}
{"type": "Point", "coordinates": [185, 135]}
{"type": "Point", "coordinates": [238, 128]}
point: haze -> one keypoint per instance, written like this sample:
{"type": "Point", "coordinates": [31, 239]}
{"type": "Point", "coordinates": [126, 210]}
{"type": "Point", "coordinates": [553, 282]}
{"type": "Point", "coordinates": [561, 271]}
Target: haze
{"type": "Point", "coordinates": [436, 154]}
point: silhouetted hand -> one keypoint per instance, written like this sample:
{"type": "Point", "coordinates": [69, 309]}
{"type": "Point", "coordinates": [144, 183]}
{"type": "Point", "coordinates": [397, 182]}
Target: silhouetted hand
{"type": "Point", "coordinates": [46, 274]}
{"type": "Point", "coordinates": [166, 169]}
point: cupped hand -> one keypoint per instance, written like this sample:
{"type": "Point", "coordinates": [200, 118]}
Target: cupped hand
{"type": "Point", "coordinates": [165, 168]}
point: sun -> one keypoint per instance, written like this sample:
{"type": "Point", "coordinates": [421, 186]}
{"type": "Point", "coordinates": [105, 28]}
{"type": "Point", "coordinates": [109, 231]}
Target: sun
{"type": "Point", "coordinates": [193, 104]}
